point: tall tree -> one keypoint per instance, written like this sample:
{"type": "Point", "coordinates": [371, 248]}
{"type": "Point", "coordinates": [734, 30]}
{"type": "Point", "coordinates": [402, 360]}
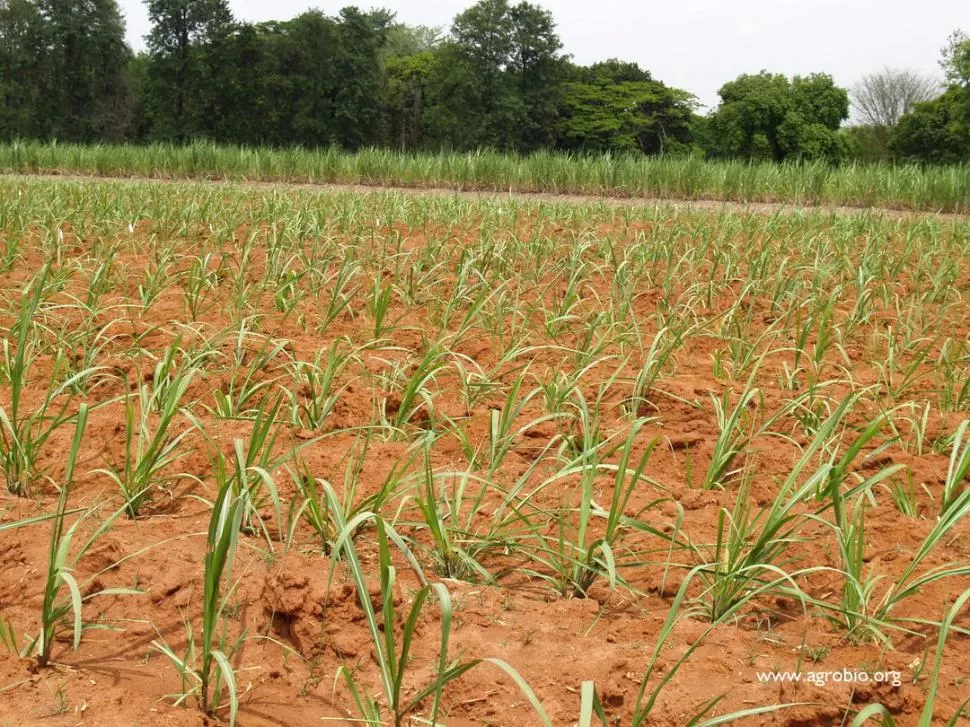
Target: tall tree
{"type": "Point", "coordinates": [241, 59]}
{"type": "Point", "coordinates": [307, 77]}
{"type": "Point", "coordinates": [538, 71]}
{"type": "Point", "coordinates": [938, 131]}
{"type": "Point", "coordinates": [955, 60]}
{"type": "Point", "coordinates": [766, 116]}
{"type": "Point", "coordinates": [402, 41]}
{"type": "Point", "coordinates": [21, 47]}
{"type": "Point", "coordinates": [279, 82]}
{"type": "Point", "coordinates": [181, 82]}
{"type": "Point", "coordinates": [476, 86]}
{"type": "Point", "coordinates": [409, 83]}
{"type": "Point", "coordinates": [500, 78]}
{"type": "Point", "coordinates": [617, 106]}
{"type": "Point", "coordinates": [313, 80]}
{"type": "Point", "coordinates": [359, 103]}
{"type": "Point", "coordinates": [410, 56]}
{"type": "Point", "coordinates": [136, 79]}
{"type": "Point", "coordinates": [880, 100]}
{"type": "Point", "coordinates": [83, 96]}
{"type": "Point", "coordinates": [752, 109]}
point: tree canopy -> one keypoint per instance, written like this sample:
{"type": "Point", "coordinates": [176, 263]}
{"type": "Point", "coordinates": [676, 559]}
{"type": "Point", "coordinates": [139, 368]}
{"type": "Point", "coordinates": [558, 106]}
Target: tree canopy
{"type": "Point", "coordinates": [497, 78]}
{"type": "Point", "coordinates": [938, 131]}
{"type": "Point", "coordinates": [766, 116]}
{"type": "Point", "coordinates": [62, 70]}
{"type": "Point", "coordinates": [617, 107]}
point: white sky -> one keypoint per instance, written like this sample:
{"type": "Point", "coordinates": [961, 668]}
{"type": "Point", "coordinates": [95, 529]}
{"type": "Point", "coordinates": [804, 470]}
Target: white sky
{"type": "Point", "coordinates": [697, 45]}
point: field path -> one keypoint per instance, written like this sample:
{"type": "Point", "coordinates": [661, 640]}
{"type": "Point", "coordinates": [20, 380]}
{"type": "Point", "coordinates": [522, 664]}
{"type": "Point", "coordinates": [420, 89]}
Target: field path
{"type": "Point", "coordinates": [766, 208]}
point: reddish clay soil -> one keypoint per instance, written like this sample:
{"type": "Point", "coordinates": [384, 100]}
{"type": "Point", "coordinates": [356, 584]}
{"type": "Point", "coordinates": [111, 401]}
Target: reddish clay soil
{"type": "Point", "coordinates": [301, 614]}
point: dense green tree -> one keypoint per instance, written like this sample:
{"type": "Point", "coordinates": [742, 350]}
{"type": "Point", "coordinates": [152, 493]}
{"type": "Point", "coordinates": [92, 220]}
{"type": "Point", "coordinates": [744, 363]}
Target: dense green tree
{"type": "Point", "coordinates": [402, 41]}
{"type": "Point", "coordinates": [313, 80]}
{"type": "Point", "coordinates": [612, 70]}
{"type": "Point", "coordinates": [283, 82]}
{"type": "Point", "coordinates": [617, 106]}
{"type": "Point", "coordinates": [304, 78]}
{"type": "Point", "coordinates": [358, 105]}
{"type": "Point", "coordinates": [21, 72]}
{"type": "Point", "coordinates": [537, 70]}
{"type": "Point", "coordinates": [747, 120]}
{"type": "Point", "coordinates": [766, 116]}
{"type": "Point", "coordinates": [80, 68]}
{"type": "Point", "coordinates": [409, 80]}
{"type": "Point", "coordinates": [937, 132]}
{"type": "Point", "coordinates": [499, 79]}
{"type": "Point", "coordinates": [865, 143]}
{"type": "Point", "coordinates": [246, 112]}
{"type": "Point", "coordinates": [819, 101]}
{"type": "Point", "coordinates": [62, 70]}
{"type": "Point", "coordinates": [481, 105]}
{"type": "Point", "coordinates": [410, 57]}
{"type": "Point", "coordinates": [136, 79]}
{"type": "Point", "coordinates": [183, 87]}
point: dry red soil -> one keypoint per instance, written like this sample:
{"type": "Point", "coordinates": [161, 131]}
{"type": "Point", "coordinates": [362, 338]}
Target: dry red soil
{"type": "Point", "coordinates": [301, 615]}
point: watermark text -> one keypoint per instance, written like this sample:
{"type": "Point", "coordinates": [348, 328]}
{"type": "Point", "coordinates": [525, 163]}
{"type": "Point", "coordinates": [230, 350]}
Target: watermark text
{"type": "Point", "coordinates": [838, 676]}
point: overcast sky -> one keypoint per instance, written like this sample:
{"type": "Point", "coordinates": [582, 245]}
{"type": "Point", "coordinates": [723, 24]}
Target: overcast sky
{"type": "Point", "coordinates": [697, 45]}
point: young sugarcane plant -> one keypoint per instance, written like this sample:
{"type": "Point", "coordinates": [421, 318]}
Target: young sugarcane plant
{"type": "Point", "coordinates": [208, 673]}
{"type": "Point", "coordinates": [23, 435]}
{"type": "Point", "coordinates": [253, 462]}
{"type": "Point", "coordinates": [457, 547]}
{"type": "Point", "coordinates": [415, 397]}
{"type": "Point", "coordinates": [247, 384]}
{"type": "Point", "coordinates": [656, 676]}
{"type": "Point", "coordinates": [315, 385]}
{"type": "Point", "coordinates": [750, 548]}
{"type": "Point", "coordinates": [664, 344]}
{"type": "Point", "coordinates": [150, 449]}
{"type": "Point", "coordinates": [315, 508]}
{"type": "Point", "coordinates": [501, 435]}
{"type": "Point", "coordinates": [392, 646]}
{"type": "Point", "coordinates": [588, 540]}
{"type": "Point", "coordinates": [200, 279]}
{"type": "Point", "coordinates": [601, 557]}
{"type": "Point", "coordinates": [959, 469]}
{"type": "Point", "coordinates": [260, 489]}
{"type": "Point", "coordinates": [909, 583]}
{"type": "Point", "coordinates": [56, 606]}
{"type": "Point", "coordinates": [731, 442]}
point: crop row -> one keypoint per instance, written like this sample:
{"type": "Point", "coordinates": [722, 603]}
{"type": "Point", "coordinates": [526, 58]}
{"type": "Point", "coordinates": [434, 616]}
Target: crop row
{"type": "Point", "coordinates": [943, 188]}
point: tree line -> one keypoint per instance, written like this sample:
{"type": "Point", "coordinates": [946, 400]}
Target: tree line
{"type": "Point", "coordinates": [498, 78]}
